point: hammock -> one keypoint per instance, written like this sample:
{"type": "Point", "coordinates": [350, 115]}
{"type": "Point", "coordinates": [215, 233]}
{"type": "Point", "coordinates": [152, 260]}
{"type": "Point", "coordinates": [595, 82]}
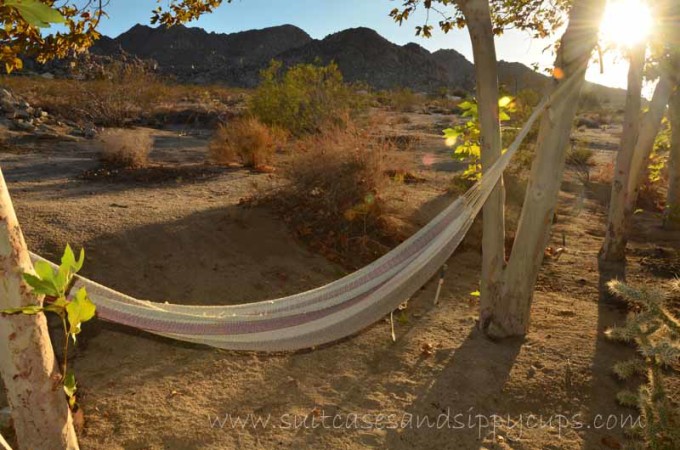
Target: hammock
{"type": "Point", "coordinates": [326, 314]}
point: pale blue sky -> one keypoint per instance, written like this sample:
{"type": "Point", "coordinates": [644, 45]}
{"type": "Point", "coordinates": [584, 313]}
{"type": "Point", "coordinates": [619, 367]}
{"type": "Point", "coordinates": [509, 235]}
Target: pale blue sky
{"type": "Point", "coordinates": [320, 18]}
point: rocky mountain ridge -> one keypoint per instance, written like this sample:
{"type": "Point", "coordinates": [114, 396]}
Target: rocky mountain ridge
{"type": "Point", "coordinates": [197, 56]}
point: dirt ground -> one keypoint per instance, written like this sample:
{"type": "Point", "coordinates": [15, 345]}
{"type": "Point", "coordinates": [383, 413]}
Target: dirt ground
{"type": "Point", "coordinates": [187, 235]}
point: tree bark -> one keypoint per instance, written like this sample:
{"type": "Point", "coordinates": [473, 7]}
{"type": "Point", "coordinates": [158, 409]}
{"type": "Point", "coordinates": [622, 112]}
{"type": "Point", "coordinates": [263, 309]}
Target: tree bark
{"type": "Point", "coordinates": [672, 214]}
{"type": "Point", "coordinates": [651, 124]}
{"type": "Point", "coordinates": [480, 28]}
{"type": "Point", "coordinates": [40, 413]}
{"type": "Point", "coordinates": [577, 45]}
{"type": "Point", "coordinates": [613, 248]}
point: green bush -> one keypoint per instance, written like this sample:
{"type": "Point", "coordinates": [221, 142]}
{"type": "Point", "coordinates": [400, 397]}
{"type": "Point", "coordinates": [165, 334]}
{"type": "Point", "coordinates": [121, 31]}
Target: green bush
{"type": "Point", "coordinates": [303, 99]}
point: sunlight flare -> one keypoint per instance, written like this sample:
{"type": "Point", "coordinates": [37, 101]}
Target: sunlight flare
{"type": "Point", "coordinates": [626, 23]}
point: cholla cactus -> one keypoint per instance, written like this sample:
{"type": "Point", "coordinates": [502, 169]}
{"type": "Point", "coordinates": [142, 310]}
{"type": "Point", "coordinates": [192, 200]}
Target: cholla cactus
{"type": "Point", "coordinates": [655, 331]}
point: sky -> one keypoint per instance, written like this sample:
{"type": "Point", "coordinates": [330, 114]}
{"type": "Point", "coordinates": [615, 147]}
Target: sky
{"type": "Point", "coordinates": [320, 18]}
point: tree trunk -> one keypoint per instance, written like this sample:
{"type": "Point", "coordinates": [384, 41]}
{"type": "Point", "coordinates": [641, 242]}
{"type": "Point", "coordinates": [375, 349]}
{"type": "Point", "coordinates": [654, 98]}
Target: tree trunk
{"type": "Point", "coordinates": [479, 25]}
{"type": "Point", "coordinates": [613, 248]}
{"type": "Point", "coordinates": [520, 276]}
{"type": "Point", "coordinates": [41, 416]}
{"type": "Point", "coordinates": [651, 123]}
{"type": "Point", "coordinates": [672, 214]}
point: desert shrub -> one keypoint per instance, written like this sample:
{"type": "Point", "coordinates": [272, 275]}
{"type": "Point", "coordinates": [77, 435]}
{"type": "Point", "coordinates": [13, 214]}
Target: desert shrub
{"type": "Point", "coordinates": [304, 99]}
{"type": "Point", "coordinates": [110, 102]}
{"type": "Point", "coordinates": [245, 140]}
{"type": "Point", "coordinates": [655, 331]}
{"type": "Point", "coordinates": [125, 148]}
{"type": "Point", "coordinates": [589, 101]}
{"type": "Point", "coordinates": [604, 174]}
{"type": "Point", "coordinates": [580, 156]}
{"type": "Point", "coordinates": [652, 190]}
{"type": "Point", "coordinates": [404, 100]}
{"type": "Point", "coordinates": [334, 194]}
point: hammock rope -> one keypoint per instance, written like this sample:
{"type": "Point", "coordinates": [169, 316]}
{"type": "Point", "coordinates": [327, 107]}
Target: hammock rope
{"type": "Point", "coordinates": [326, 314]}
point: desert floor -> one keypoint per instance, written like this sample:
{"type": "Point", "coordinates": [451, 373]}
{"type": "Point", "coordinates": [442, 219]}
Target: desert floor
{"type": "Point", "coordinates": [185, 232]}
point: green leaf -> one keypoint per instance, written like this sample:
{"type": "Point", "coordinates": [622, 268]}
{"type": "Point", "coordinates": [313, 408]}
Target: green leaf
{"type": "Point", "coordinates": [80, 309]}
{"type": "Point", "coordinates": [40, 287]}
{"type": "Point", "coordinates": [68, 259]}
{"type": "Point", "coordinates": [81, 260]}
{"type": "Point", "coordinates": [44, 270]}
{"type": "Point", "coordinates": [36, 13]}
{"type": "Point", "coordinates": [70, 387]}
{"type": "Point", "coordinates": [451, 133]}
{"type": "Point", "coordinates": [503, 116]}
{"type": "Point", "coordinates": [29, 310]}
{"type": "Point", "coordinates": [503, 102]}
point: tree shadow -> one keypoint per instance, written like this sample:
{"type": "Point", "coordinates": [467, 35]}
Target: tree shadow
{"type": "Point", "coordinates": [605, 427]}
{"type": "Point", "coordinates": [469, 386]}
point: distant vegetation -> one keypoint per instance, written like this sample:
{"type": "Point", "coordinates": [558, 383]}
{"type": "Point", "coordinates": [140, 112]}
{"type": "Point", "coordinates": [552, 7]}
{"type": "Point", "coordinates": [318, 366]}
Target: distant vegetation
{"type": "Point", "coordinates": [112, 102]}
{"type": "Point", "coordinates": [305, 98]}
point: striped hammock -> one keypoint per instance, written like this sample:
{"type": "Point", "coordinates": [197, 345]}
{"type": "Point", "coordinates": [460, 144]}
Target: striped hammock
{"type": "Point", "coordinates": [326, 314]}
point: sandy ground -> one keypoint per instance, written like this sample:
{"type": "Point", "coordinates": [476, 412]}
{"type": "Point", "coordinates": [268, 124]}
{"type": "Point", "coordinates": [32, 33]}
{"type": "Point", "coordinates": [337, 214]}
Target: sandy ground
{"type": "Point", "coordinates": [191, 239]}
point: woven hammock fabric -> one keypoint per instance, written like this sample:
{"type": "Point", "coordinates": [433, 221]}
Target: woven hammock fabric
{"type": "Point", "coordinates": [319, 316]}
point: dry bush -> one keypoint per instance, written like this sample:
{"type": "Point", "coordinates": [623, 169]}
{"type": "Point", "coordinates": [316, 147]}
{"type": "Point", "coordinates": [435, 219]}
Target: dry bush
{"type": "Point", "coordinates": [126, 148]}
{"type": "Point", "coordinates": [604, 175]}
{"type": "Point", "coordinates": [334, 195]}
{"type": "Point", "coordinates": [401, 100]}
{"type": "Point", "coordinates": [580, 156]}
{"type": "Point", "coordinates": [652, 195]}
{"type": "Point", "coordinates": [110, 102]}
{"type": "Point", "coordinates": [246, 140]}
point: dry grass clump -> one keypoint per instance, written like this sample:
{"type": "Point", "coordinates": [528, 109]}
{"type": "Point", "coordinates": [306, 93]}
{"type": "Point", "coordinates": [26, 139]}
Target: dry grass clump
{"type": "Point", "coordinates": [580, 156]}
{"type": "Point", "coordinates": [247, 141]}
{"type": "Point", "coordinates": [334, 195]}
{"type": "Point", "coordinates": [604, 174]}
{"type": "Point", "coordinates": [126, 148]}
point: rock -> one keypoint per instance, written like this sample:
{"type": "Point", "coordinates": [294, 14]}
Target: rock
{"type": "Point", "coordinates": [6, 95]}
{"type": "Point", "coordinates": [7, 105]}
{"type": "Point", "coordinates": [22, 114]}
{"type": "Point", "coordinates": [21, 125]}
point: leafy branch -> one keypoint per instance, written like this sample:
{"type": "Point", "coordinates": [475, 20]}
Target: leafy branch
{"type": "Point", "coordinates": [73, 310]}
{"type": "Point", "coordinates": [466, 137]}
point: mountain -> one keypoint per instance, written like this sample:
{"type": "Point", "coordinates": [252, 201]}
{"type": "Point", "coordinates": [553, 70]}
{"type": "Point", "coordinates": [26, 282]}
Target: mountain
{"type": "Point", "coordinates": [194, 55]}
{"type": "Point", "coordinates": [364, 56]}
{"type": "Point", "coordinates": [459, 70]}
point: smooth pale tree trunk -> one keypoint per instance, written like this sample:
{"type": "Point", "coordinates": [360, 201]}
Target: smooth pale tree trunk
{"type": "Point", "coordinates": [41, 416]}
{"type": "Point", "coordinates": [613, 248]}
{"type": "Point", "coordinates": [651, 124]}
{"type": "Point", "coordinates": [576, 47]}
{"type": "Point", "coordinates": [3, 444]}
{"type": "Point", "coordinates": [479, 25]}
{"type": "Point", "coordinates": [672, 216]}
